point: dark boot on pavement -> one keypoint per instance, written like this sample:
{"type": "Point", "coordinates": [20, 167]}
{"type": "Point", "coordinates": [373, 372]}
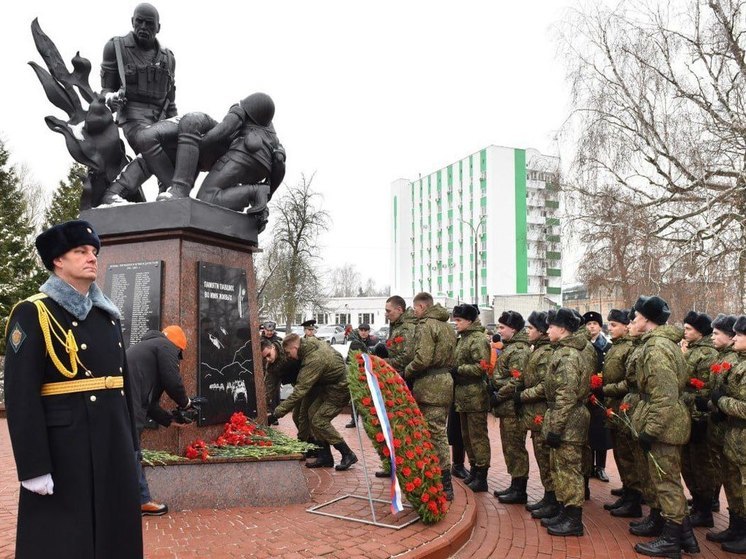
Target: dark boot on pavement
{"type": "Point", "coordinates": [689, 542]}
{"type": "Point", "coordinates": [587, 489]}
{"type": "Point", "coordinates": [701, 514]}
{"type": "Point", "coordinates": [348, 457]}
{"type": "Point", "coordinates": [518, 495]}
{"type": "Point", "coordinates": [618, 492]}
{"type": "Point", "coordinates": [667, 545]}
{"type": "Point", "coordinates": [479, 483]}
{"type": "Point", "coordinates": [735, 530]}
{"type": "Point", "coordinates": [314, 452]}
{"type": "Point", "coordinates": [736, 546]}
{"type": "Point", "coordinates": [383, 473]}
{"type": "Point", "coordinates": [619, 502]}
{"type": "Point", "coordinates": [552, 520]}
{"type": "Point", "coordinates": [458, 456]}
{"type": "Point", "coordinates": [652, 527]}
{"type": "Point", "coordinates": [324, 458]}
{"type": "Point", "coordinates": [570, 525]}
{"type": "Point", "coordinates": [530, 507]}
{"type": "Point", "coordinates": [499, 492]}
{"type": "Point", "coordinates": [631, 507]}
{"type": "Point", "coordinates": [551, 507]}
{"type": "Point", "coordinates": [351, 424]}
{"type": "Point", "coordinates": [458, 470]}
{"type": "Point", "coordinates": [448, 485]}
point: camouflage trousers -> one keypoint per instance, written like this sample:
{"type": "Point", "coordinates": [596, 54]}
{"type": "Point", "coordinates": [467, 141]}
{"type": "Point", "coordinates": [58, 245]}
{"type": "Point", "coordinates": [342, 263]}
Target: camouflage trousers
{"type": "Point", "coordinates": [643, 475]}
{"type": "Point", "coordinates": [326, 406]}
{"type": "Point", "coordinates": [437, 418]}
{"type": "Point", "coordinates": [697, 464]}
{"type": "Point", "coordinates": [666, 478]}
{"type": "Point", "coordinates": [300, 418]}
{"type": "Point", "coordinates": [734, 481]}
{"type": "Point", "coordinates": [565, 463]}
{"type": "Point", "coordinates": [513, 439]}
{"type": "Point", "coordinates": [476, 438]}
{"type": "Point", "coordinates": [624, 456]}
{"type": "Point", "coordinates": [541, 454]}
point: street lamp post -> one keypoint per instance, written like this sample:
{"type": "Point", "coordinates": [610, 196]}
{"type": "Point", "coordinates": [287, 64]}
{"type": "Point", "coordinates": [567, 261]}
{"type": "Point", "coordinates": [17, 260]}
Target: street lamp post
{"type": "Point", "coordinates": [475, 236]}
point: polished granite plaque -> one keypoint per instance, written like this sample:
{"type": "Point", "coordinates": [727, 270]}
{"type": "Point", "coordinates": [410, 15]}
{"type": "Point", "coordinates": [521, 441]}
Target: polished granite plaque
{"type": "Point", "coordinates": [135, 288]}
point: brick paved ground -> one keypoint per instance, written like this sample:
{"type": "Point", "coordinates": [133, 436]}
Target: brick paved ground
{"type": "Point", "coordinates": [290, 532]}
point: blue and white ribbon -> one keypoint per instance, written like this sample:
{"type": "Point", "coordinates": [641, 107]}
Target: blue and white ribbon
{"type": "Point", "coordinates": [388, 435]}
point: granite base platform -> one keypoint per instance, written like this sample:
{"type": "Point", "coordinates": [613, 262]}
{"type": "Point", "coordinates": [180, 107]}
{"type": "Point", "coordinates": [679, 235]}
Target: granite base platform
{"type": "Point", "coordinates": [227, 483]}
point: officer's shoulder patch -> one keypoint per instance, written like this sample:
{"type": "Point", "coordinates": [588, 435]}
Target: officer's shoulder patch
{"type": "Point", "coordinates": [17, 337]}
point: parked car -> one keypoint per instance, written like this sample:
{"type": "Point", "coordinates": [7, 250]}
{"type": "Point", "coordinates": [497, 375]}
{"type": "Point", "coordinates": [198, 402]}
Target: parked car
{"type": "Point", "coordinates": [381, 334]}
{"type": "Point", "coordinates": [331, 334]}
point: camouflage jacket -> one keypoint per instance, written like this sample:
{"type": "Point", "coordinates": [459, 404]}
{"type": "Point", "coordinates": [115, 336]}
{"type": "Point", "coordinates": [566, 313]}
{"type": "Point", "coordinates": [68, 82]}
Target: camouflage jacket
{"type": "Point", "coordinates": [533, 396]}
{"type": "Point", "coordinates": [273, 376]}
{"type": "Point", "coordinates": [320, 366]}
{"type": "Point", "coordinates": [615, 371]}
{"type": "Point", "coordinates": [470, 375]}
{"type": "Point", "coordinates": [508, 373]}
{"type": "Point", "coordinates": [593, 357]}
{"type": "Point", "coordinates": [662, 375]}
{"type": "Point", "coordinates": [717, 427]}
{"type": "Point", "coordinates": [567, 386]}
{"type": "Point", "coordinates": [400, 342]}
{"type": "Point", "coordinates": [631, 367]}
{"type": "Point", "coordinates": [699, 357]}
{"type": "Point", "coordinates": [733, 404]}
{"type": "Point", "coordinates": [433, 357]}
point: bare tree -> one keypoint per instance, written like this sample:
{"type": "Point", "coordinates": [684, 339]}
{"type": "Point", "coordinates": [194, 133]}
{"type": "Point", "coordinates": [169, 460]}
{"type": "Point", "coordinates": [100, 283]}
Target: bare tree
{"type": "Point", "coordinates": [659, 102]}
{"type": "Point", "coordinates": [345, 281]}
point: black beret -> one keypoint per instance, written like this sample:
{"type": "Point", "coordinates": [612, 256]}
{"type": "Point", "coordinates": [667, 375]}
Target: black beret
{"type": "Point", "coordinates": [699, 321]}
{"type": "Point", "coordinates": [466, 311]}
{"type": "Point", "coordinates": [724, 323]}
{"type": "Point", "coordinates": [593, 316]}
{"type": "Point", "coordinates": [57, 240]}
{"type": "Point", "coordinates": [512, 319]}
{"type": "Point", "coordinates": [308, 323]}
{"type": "Point", "coordinates": [653, 308]}
{"type": "Point", "coordinates": [565, 318]}
{"type": "Point", "coordinates": [364, 326]}
{"type": "Point", "coordinates": [538, 319]}
{"type": "Point", "coordinates": [617, 315]}
{"type": "Point", "coordinates": [740, 326]}
{"type": "Point", "coordinates": [632, 313]}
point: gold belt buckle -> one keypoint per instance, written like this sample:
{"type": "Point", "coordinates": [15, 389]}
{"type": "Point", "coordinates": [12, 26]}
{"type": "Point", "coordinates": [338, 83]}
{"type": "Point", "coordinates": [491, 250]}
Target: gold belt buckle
{"type": "Point", "coordinates": [109, 382]}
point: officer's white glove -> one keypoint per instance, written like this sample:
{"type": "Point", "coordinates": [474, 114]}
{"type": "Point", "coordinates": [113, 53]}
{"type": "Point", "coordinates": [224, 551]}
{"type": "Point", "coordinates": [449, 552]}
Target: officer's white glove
{"type": "Point", "coordinates": [43, 485]}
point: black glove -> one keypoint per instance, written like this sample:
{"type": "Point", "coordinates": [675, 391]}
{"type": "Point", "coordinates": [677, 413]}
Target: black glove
{"type": "Point", "coordinates": [554, 440]}
{"type": "Point", "coordinates": [493, 399]}
{"type": "Point", "coordinates": [598, 393]}
{"type": "Point", "coordinates": [272, 420]}
{"type": "Point", "coordinates": [380, 350]}
{"type": "Point", "coordinates": [716, 394]}
{"type": "Point", "coordinates": [517, 398]}
{"type": "Point", "coordinates": [701, 404]}
{"type": "Point", "coordinates": [718, 416]}
{"type": "Point", "coordinates": [646, 441]}
{"type": "Point", "coordinates": [197, 401]}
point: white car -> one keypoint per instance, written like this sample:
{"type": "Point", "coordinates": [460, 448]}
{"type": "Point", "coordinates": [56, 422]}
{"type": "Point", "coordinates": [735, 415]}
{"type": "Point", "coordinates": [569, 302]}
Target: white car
{"type": "Point", "coordinates": [331, 334]}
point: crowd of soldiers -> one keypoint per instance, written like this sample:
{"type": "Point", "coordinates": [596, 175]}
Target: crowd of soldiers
{"type": "Point", "coordinates": [672, 399]}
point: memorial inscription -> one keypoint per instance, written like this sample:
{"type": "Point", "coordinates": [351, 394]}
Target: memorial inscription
{"type": "Point", "coordinates": [135, 288]}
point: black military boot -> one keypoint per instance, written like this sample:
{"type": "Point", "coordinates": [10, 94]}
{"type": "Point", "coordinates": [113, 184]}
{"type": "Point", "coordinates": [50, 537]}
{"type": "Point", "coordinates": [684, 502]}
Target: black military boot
{"type": "Point", "coordinates": [689, 542]}
{"type": "Point", "coordinates": [587, 489]}
{"type": "Point", "coordinates": [447, 485]}
{"type": "Point", "coordinates": [518, 496]}
{"type": "Point", "coordinates": [458, 470]}
{"type": "Point", "coordinates": [314, 452]}
{"type": "Point", "coordinates": [716, 501]}
{"type": "Point", "coordinates": [351, 424]}
{"type": "Point", "coordinates": [734, 531]}
{"type": "Point", "coordinates": [324, 458]}
{"type": "Point", "coordinates": [383, 473]}
{"type": "Point", "coordinates": [570, 525]}
{"type": "Point", "coordinates": [651, 527]}
{"type": "Point", "coordinates": [500, 492]}
{"type": "Point", "coordinates": [701, 514]}
{"type": "Point", "coordinates": [552, 520]}
{"type": "Point", "coordinates": [667, 545]}
{"type": "Point", "coordinates": [479, 483]}
{"type": "Point", "coordinates": [538, 504]}
{"type": "Point", "coordinates": [471, 474]}
{"type": "Point", "coordinates": [348, 457]}
{"type": "Point", "coordinates": [551, 507]}
{"type": "Point", "coordinates": [631, 507]}
{"type": "Point", "coordinates": [736, 546]}
{"type": "Point", "coordinates": [618, 492]}
{"type": "Point", "coordinates": [619, 502]}
{"type": "Point", "coordinates": [458, 455]}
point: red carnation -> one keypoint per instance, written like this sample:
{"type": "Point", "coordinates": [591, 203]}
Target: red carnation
{"type": "Point", "coordinates": [593, 400]}
{"type": "Point", "coordinates": [380, 438]}
{"type": "Point", "coordinates": [716, 368]}
{"type": "Point", "coordinates": [406, 470]}
{"type": "Point", "coordinates": [366, 401]}
{"type": "Point", "coordinates": [609, 412]}
{"type": "Point", "coordinates": [624, 407]}
{"type": "Point", "coordinates": [409, 487]}
{"type": "Point", "coordinates": [726, 366]}
{"type": "Point", "coordinates": [425, 498]}
{"type": "Point", "coordinates": [696, 384]}
{"type": "Point", "coordinates": [417, 481]}
{"type": "Point", "coordinates": [538, 419]}
{"type": "Point", "coordinates": [388, 343]}
{"type": "Point", "coordinates": [597, 381]}
{"type": "Point", "coordinates": [515, 373]}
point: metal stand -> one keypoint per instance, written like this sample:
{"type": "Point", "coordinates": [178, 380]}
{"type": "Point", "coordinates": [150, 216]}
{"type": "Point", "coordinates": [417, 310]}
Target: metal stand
{"type": "Point", "coordinates": [317, 509]}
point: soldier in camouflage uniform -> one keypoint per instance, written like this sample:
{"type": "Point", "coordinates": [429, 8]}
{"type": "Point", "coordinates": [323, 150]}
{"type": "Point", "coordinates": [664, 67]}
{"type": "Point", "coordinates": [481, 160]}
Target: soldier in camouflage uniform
{"type": "Point", "coordinates": [278, 370]}
{"type": "Point", "coordinates": [722, 339]}
{"type": "Point", "coordinates": [471, 396]}
{"type": "Point", "coordinates": [565, 428]}
{"type": "Point", "coordinates": [663, 424]}
{"type": "Point", "coordinates": [531, 403]}
{"type": "Point", "coordinates": [729, 398]}
{"type": "Point", "coordinates": [323, 375]}
{"type": "Point", "coordinates": [506, 379]}
{"type": "Point", "coordinates": [613, 391]}
{"type": "Point", "coordinates": [430, 373]}
{"type": "Point", "coordinates": [697, 465]}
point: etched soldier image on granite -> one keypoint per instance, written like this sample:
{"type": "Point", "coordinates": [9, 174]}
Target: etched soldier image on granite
{"type": "Point", "coordinates": [226, 365]}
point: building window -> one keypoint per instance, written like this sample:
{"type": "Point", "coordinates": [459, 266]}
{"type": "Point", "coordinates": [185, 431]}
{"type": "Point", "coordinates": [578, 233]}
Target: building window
{"type": "Point", "coordinates": [364, 318]}
{"type": "Point", "coordinates": [321, 318]}
{"type": "Point", "coordinates": [343, 318]}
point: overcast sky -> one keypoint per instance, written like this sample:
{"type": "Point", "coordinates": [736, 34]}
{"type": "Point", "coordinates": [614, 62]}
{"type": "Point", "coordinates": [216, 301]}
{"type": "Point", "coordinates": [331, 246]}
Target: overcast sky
{"type": "Point", "coordinates": [365, 92]}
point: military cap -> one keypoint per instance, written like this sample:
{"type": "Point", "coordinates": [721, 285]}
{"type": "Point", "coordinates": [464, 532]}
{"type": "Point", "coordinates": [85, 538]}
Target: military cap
{"type": "Point", "coordinates": [512, 319]}
{"type": "Point", "coordinates": [538, 319]}
{"type": "Point", "coordinates": [269, 325]}
{"type": "Point", "coordinates": [565, 318]}
{"type": "Point", "coordinates": [466, 311]}
{"type": "Point", "coordinates": [619, 315]}
{"type": "Point", "coordinates": [593, 316]}
{"type": "Point", "coordinates": [60, 238]}
{"type": "Point", "coordinates": [701, 322]}
{"type": "Point", "coordinates": [653, 308]}
{"type": "Point", "coordinates": [740, 326]}
{"type": "Point", "coordinates": [364, 326]}
{"type": "Point", "coordinates": [724, 323]}
{"type": "Point", "coordinates": [309, 323]}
